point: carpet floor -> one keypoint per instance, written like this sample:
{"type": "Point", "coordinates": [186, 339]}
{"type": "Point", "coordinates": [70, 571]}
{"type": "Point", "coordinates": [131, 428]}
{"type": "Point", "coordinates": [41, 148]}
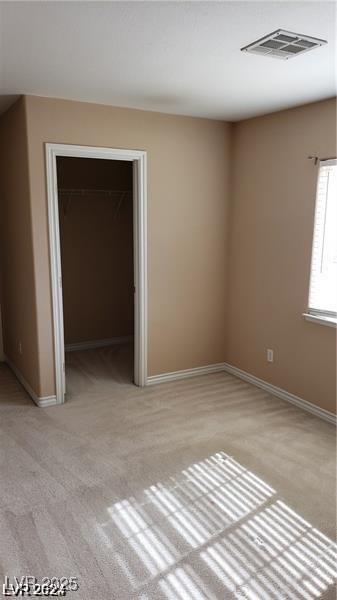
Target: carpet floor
{"type": "Point", "coordinates": [204, 488]}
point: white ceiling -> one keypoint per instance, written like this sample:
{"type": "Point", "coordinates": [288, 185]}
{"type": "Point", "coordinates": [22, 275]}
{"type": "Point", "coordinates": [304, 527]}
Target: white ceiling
{"type": "Point", "coordinates": [176, 57]}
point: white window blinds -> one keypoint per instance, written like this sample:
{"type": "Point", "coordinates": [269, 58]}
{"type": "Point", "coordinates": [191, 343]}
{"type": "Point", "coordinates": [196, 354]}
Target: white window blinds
{"type": "Point", "coordinates": [323, 280]}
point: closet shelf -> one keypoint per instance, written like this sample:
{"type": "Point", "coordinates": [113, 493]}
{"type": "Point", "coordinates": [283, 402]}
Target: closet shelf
{"type": "Point", "coordinates": [85, 191]}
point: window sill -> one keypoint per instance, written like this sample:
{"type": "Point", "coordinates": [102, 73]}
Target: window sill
{"type": "Point", "coordinates": [327, 321]}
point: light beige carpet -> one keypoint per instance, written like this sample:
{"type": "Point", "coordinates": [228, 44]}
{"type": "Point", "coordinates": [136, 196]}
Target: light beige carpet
{"type": "Point", "coordinates": [202, 488]}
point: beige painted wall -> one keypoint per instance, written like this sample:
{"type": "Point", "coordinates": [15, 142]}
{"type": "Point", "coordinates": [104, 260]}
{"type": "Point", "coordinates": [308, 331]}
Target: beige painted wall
{"type": "Point", "coordinates": [17, 286]}
{"type": "Point", "coordinates": [188, 193]}
{"type": "Point", "coordinates": [96, 233]}
{"type": "Point", "coordinates": [2, 356]}
{"type": "Point", "coordinates": [272, 212]}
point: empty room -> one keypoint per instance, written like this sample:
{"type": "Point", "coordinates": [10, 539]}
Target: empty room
{"type": "Point", "coordinates": [168, 298]}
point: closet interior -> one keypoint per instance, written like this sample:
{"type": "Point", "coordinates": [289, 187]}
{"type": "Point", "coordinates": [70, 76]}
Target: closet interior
{"type": "Point", "coordinates": [96, 241]}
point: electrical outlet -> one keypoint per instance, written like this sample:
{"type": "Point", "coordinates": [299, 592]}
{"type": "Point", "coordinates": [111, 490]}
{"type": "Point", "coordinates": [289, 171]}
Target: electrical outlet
{"type": "Point", "coordinates": [20, 347]}
{"type": "Point", "coordinates": [270, 355]}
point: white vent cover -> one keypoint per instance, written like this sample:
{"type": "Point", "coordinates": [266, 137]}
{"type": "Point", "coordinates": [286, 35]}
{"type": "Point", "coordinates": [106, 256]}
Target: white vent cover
{"type": "Point", "coordinates": [283, 44]}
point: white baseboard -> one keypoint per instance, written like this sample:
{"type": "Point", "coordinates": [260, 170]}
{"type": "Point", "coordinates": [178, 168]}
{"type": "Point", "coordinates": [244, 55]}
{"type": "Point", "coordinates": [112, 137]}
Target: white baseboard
{"type": "Point", "coordinates": [283, 394]}
{"type": "Point", "coordinates": [153, 379]}
{"type": "Point", "coordinates": [41, 401]}
{"type": "Point", "coordinates": [98, 343]}
{"type": "Point", "coordinates": [45, 401]}
{"type": "Point", "coordinates": [268, 387]}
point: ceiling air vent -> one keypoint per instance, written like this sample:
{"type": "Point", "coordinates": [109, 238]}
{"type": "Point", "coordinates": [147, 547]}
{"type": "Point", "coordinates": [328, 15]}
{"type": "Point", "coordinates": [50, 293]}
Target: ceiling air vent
{"type": "Point", "coordinates": [283, 44]}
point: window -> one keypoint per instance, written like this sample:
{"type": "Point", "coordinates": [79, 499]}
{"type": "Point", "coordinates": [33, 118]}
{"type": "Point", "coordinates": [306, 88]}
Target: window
{"type": "Point", "coordinates": [323, 279]}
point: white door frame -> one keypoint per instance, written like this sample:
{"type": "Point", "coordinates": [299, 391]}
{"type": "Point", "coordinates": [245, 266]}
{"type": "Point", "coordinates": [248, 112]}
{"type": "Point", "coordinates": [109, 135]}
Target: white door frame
{"type": "Point", "coordinates": [138, 158]}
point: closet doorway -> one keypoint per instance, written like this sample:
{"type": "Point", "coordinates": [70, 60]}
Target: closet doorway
{"type": "Point", "coordinates": [97, 231]}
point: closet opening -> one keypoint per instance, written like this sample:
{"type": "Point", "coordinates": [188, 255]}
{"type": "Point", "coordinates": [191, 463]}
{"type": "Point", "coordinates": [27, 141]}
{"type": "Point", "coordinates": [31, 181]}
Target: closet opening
{"type": "Point", "coordinates": [98, 257]}
{"type": "Point", "coordinates": [96, 243]}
